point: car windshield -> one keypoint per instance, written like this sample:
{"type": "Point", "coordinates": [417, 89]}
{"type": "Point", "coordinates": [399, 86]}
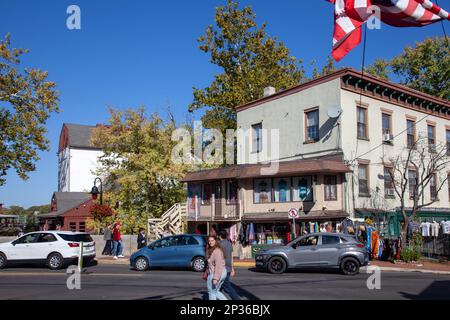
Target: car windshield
{"type": "Point", "coordinates": [76, 237]}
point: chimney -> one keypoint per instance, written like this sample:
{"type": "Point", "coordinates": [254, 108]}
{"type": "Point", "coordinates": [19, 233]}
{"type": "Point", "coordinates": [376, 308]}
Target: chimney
{"type": "Point", "coordinates": [268, 91]}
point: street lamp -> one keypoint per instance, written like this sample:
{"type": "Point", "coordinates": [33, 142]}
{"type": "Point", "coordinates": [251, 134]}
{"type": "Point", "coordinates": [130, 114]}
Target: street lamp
{"type": "Point", "coordinates": [95, 192]}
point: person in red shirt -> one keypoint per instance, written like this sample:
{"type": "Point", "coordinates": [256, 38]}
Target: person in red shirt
{"type": "Point", "coordinates": [117, 242]}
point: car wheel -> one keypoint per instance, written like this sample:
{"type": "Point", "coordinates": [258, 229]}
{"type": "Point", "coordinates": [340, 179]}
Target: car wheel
{"type": "Point", "coordinates": [2, 261]}
{"type": "Point", "coordinates": [141, 264]}
{"type": "Point", "coordinates": [276, 265]}
{"type": "Point", "coordinates": [350, 266]}
{"type": "Point", "coordinates": [55, 261]}
{"type": "Point", "coordinates": [198, 264]}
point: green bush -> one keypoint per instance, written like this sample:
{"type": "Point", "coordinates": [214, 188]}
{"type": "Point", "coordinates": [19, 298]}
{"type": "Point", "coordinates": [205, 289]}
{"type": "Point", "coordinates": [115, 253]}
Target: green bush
{"type": "Point", "coordinates": [409, 254]}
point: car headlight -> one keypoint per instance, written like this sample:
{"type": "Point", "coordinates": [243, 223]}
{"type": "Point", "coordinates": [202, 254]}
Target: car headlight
{"type": "Point", "coordinates": [262, 257]}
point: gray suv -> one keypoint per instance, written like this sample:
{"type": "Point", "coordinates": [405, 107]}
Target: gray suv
{"type": "Point", "coordinates": [330, 250]}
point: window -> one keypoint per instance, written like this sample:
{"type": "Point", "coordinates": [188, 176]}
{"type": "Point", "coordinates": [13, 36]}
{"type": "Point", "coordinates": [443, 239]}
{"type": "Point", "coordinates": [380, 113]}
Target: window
{"type": "Point", "coordinates": [46, 237]}
{"type": "Point", "coordinates": [232, 192]}
{"type": "Point", "coordinates": [448, 180]}
{"type": "Point", "coordinates": [433, 191]}
{"type": "Point", "coordinates": [362, 123]}
{"type": "Point", "coordinates": [206, 194]}
{"type": "Point", "coordinates": [447, 135]}
{"type": "Point", "coordinates": [30, 238]}
{"type": "Point", "coordinates": [166, 242]}
{"type": "Point", "coordinates": [388, 183]}
{"type": "Point", "coordinates": [363, 179]}
{"type": "Point", "coordinates": [282, 190]}
{"type": "Point", "coordinates": [263, 191]}
{"type": "Point", "coordinates": [76, 237]}
{"type": "Point", "coordinates": [308, 241]}
{"type": "Point", "coordinates": [431, 130]}
{"type": "Point", "coordinates": [412, 181]}
{"type": "Point", "coordinates": [330, 240]}
{"type": "Point", "coordinates": [410, 133]}
{"type": "Point", "coordinates": [312, 125]}
{"type": "Point", "coordinates": [302, 188]}
{"type": "Point", "coordinates": [330, 188]}
{"type": "Point", "coordinates": [82, 226]}
{"type": "Point", "coordinates": [257, 137]}
{"type": "Point", "coordinates": [73, 226]}
{"type": "Point", "coordinates": [386, 123]}
{"type": "Point", "coordinates": [190, 241]}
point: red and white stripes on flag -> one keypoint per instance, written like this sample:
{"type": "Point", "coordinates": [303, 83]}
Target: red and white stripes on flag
{"type": "Point", "coordinates": [350, 15]}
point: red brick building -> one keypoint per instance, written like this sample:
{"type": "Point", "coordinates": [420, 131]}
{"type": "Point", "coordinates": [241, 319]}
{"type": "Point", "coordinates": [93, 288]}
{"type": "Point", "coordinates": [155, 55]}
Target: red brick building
{"type": "Point", "coordinates": [69, 211]}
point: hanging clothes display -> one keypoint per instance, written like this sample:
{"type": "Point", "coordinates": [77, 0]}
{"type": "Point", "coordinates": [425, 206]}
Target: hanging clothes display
{"type": "Point", "coordinates": [243, 235]}
{"type": "Point", "coordinates": [251, 234]}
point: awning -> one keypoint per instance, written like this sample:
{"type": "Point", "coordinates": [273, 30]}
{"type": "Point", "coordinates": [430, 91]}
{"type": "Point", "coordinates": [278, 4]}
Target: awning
{"type": "Point", "coordinates": [283, 216]}
{"type": "Point", "coordinates": [323, 165]}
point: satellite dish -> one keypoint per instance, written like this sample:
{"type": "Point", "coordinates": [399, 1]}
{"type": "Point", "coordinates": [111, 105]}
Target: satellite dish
{"type": "Point", "coordinates": [334, 111]}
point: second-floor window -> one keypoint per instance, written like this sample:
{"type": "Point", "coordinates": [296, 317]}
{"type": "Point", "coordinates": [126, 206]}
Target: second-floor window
{"type": "Point", "coordinates": [386, 123]}
{"type": "Point", "coordinates": [312, 125]}
{"type": "Point", "coordinates": [206, 194]}
{"type": "Point", "coordinates": [232, 192]}
{"type": "Point", "coordinates": [363, 179]}
{"type": "Point", "coordinates": [447, 136]}
{"type": "Point", "coordinates": [412, 182]}
{"type": "Point", "coordinates": [330, 188]}
{"type": "Point", "coordinates": [410, 133]}
{"type": "Point", "coordinates": [388, 182]}
{"type": "Point", "coordinates": [433, 190]}
{"type": "Point", "coordinates": [257, 137]}
{"type": "Point", "coordinates": [282, 190]}
{"type": "Point", "coordinates": [431, 130]}
{"type": "Point", "coordinates": [263, 191]}
{"type": "Point", "coordinates": [362, 123]}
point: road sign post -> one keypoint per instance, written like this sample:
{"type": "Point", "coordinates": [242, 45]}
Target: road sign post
{"type": "Point", "coordinates": [293, 213]}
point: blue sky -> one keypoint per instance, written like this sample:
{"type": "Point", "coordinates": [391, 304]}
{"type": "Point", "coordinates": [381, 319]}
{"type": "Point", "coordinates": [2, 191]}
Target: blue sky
{"type": "Point", "coordinates": [143, 52]}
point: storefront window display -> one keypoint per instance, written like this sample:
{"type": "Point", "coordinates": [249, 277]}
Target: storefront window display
{"type": "Point", "coordinates": [282, 190]}
{"type": "Point", "coordinates": [263, 191]}
{"type": "Point", "coordinates": [302, 188]}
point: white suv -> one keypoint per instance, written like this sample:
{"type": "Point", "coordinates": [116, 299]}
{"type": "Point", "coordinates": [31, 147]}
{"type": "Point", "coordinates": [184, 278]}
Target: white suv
{"type": "Point", "coordinates": [52, 248]}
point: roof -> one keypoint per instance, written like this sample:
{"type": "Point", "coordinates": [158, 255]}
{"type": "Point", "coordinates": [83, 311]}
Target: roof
{"type": "Point", "coordinates": [80, 135]}
{"type": "Point", "coordinates": [283, 216]}
{"type": "Point", "coordinates": [330, 164]}
{"type": "Point", "coordinates": [352, 73]}
{"type": "Point", "coordinates": [66, 201]}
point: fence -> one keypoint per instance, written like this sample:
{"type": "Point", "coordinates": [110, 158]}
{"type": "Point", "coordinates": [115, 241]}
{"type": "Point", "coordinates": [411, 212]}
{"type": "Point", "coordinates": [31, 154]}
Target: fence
{"type": "Point", "coordinates": [436, 247]}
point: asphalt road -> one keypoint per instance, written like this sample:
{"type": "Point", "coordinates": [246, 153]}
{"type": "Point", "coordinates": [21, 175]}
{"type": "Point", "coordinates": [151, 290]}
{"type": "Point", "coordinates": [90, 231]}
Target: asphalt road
{"type": "Point", "coordinates": [119, 282]}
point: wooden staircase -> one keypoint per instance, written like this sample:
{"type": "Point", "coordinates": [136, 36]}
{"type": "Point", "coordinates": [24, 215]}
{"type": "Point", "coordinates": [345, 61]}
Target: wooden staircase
{"type": "Point", "coordinates": [172, 221]}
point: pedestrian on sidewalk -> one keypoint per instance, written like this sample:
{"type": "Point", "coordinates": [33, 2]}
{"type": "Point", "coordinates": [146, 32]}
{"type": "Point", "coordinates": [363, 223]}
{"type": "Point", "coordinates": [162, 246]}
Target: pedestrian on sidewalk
{"type": "Point", "coordinates": [216, 269]}
{"type": "Point", "coordinates": [107, 236]}
{"type": "Point", "coordinates": [227, 248]}
{"type": "Point", "coordinates": [117, 242]}
{"type": "Point", "coordinates": [142, 239]}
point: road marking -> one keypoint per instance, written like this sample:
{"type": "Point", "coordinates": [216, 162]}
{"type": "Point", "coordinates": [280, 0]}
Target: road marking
{"type": "Point", "coordinates": [64, 274]}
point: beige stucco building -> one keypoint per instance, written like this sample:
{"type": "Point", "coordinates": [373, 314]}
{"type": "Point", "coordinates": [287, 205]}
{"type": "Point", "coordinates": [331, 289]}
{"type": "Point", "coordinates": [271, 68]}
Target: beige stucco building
{"type": "Point", "coordinates": [331, 138]}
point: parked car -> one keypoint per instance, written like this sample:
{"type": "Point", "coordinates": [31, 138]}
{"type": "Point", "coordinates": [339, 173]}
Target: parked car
{"type": "Point", "coordinates": [179, 251]}
{"type": "Point", "coordinates": [54, 249]}
{"type": "Point", "coordinates": [329, 250]}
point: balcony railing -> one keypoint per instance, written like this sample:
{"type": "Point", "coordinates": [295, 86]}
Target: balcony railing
{"type": "Point", "coordinates": [214, 210]}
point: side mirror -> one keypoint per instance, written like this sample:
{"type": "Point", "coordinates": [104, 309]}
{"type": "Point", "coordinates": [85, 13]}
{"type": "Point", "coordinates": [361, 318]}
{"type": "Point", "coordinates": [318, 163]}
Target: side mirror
{"type": "Point", "coordinates": [294, 245]}
{"type": "Point", "coordinates": [14, 243]}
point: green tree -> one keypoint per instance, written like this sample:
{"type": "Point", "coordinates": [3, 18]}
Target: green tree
{"type": "Point", "coordinates": [328, 68]}
{"type": "Point", "coordinates": [424, 67]}
{"type": "Point", "coordinates": [137, 165]}
{"type": "Point", "coordinates": [250, 60]}
{"type": "Point", "coordinates": [27, 99]}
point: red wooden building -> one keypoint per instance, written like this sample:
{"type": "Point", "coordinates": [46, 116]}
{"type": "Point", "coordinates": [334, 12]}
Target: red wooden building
{"type": "Point", "coordinates": [69, 211]}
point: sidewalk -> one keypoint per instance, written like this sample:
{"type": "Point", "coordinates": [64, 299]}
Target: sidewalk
{"type": "Point", "coordinates": [423, 266]}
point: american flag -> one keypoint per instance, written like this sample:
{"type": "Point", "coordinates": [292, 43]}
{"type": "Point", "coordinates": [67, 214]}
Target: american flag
{"type": "Point", "coordinates": [350, 15]}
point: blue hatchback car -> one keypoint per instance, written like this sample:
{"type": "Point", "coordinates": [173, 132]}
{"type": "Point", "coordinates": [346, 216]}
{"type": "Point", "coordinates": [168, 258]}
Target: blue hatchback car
{"type": "Point", "coordinates": [179, 251]}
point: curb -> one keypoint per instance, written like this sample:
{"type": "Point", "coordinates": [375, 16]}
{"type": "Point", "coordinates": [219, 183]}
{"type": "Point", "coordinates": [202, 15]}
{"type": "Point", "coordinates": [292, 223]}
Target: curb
{"type": "Point", "coordinates": [410, 270]}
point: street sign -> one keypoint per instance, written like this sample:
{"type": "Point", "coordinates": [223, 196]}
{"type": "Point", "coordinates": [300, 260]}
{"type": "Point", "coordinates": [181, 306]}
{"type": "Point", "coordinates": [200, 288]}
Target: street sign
{"type": "Point", "coordinates": [293, 213]}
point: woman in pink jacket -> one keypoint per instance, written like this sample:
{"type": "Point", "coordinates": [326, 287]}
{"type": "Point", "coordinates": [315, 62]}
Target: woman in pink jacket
{"type": "Point", "coordinates": [217, 271]}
